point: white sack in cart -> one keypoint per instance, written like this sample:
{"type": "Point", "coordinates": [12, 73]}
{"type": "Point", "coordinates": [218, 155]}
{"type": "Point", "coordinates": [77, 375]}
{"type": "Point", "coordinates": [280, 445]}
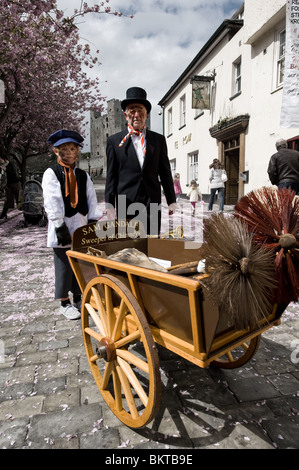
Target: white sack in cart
{"type": "Point", "coordinates": [129, 256]}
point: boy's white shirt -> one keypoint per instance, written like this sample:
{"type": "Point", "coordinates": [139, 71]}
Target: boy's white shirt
{"type": "Point", "coordinates": [54, 207]}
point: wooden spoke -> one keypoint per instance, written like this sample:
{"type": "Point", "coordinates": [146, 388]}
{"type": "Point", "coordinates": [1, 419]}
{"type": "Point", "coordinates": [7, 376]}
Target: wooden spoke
{"type": "Point", "coordinates": [93, 334]}
{"type": "Point", "coordinates": [128, 339]}
{"type": "Point", "coordinates": [133, 380]}
{"type": "Point", "coordinates": [127, 391]}
{"type": "Point", "coordinates": [94, 358]}
{"type": "Point", "coordinates": [122, 357]}
{"type": "Point", "coordinates": [100, 308]}
{"type": "Point", "coordinates": [107, 373]}
{"type": "Point", "coordinates": [109, 309]}
{"type": "Point", "coordinates": [128, 356]}
{"type": "Point", "coordinates": [229, 356]}
{"type": "Point", "coordinates": [117, 390]}
{"type": "Point", "coordinates": [99, 324]}
{"type": "Point", "coordinates": [238, 356]}
{"type": "Point", "coordinates": [119, 321]}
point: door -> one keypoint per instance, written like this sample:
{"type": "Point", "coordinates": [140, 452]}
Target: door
{"type": "Point", "coordinates": [231, 161]}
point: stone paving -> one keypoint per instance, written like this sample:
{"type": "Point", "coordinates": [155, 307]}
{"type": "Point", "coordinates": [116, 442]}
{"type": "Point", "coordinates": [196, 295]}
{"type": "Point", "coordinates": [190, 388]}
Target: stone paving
{"type": "Point", "coordinates": [49, 400]}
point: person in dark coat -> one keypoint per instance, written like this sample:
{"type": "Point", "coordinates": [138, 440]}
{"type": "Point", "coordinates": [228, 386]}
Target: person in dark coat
{"type": "Point", "coordinates": [12, 188]}
{"type": "Point", "coordinates": [137, 167]}
{"type": "Point", "coordinates": [283, 168]}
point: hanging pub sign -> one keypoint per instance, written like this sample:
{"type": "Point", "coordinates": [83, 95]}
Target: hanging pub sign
{"type": "Point", "coordinates": [201, 92]}
{"type": "Point", "coordinates": [289, 116]}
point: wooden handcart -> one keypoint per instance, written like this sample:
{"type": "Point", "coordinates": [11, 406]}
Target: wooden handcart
{"type": "Point", "coordinates": [126, 309]}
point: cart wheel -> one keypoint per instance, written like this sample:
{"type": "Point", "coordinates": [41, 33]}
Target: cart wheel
{"type": "Point", "coordinates": [238, 356]}
{"type": "Point", "coordinates": [121, 351]}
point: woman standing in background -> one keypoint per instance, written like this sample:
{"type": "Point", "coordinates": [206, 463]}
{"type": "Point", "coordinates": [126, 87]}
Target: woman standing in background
{"type": "Point", "coordinates": [217, 179]}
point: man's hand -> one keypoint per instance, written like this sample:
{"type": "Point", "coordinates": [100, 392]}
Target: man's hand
{"type": "Point", "coordinates": [172, 208]}
{"type": "Point", "coordinates": [111, 214]}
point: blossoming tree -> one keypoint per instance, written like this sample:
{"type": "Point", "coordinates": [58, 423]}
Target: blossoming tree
{"type": "Point", "coordinates": [42, 65]}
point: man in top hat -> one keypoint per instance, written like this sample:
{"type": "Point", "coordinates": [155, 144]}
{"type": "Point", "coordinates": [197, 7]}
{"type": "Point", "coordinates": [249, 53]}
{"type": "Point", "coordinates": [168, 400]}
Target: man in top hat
{"type": "Point", "coordinates": [137, 166]}
{"type": "Point", "coordinates": [70, 201]}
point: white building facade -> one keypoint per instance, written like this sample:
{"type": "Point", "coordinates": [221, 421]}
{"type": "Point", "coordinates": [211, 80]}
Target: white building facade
{"type": "Point", "coordinates": [243, 61]}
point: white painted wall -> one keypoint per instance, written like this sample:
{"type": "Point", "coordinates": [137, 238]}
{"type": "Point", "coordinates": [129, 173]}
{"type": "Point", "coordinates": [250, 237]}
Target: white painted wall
{"type": "Point", "coordinates": [260, 15]}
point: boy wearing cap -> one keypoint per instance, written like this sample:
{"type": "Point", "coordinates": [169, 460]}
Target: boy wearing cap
{"type": "Point", "coordinates": [70, 201]}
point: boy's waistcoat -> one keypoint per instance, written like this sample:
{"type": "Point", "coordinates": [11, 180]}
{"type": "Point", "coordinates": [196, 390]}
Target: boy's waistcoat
{"type": "Point", "coordinates": [81, 178]}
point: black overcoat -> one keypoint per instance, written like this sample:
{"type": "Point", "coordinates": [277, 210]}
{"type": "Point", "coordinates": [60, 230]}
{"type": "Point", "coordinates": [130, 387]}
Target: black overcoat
{"type": "Point", "coordinates": [124, 173]}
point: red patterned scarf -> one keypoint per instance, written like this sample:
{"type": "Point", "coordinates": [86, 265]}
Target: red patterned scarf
{"type": "Point", "coordinates": [134, 132]}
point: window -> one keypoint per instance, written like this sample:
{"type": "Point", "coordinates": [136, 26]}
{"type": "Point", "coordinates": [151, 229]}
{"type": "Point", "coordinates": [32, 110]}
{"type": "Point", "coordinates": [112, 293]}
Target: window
{"type": "Point", "coordinates": [169, 123]}
{"type": "Point", "coordinates": [237, 77]}
{"type": "Point", "coordinates": [183, 111]}
{"type": "Point", "coordinates": [281, 40]}
{"type": "Point", "coordinates": [173, 166]}
{"type": "Point", "coordinates": [193, 166]}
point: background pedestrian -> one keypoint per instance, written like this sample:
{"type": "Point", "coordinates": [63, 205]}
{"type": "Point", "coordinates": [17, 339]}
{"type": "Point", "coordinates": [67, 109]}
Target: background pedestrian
{"type": "Point", "coordinates": [194, 194]}
{"type": "Point", "coordinates": [177, 186]}
{"type": "Point", "coordinates": [283, 168]}
{"type": "Point", "coordinates": [217, 179]}
{"type": "Point", "coordinates": [12, 186]}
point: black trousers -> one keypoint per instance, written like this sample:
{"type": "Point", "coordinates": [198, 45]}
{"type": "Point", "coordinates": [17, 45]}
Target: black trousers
{"type": "Point", "coordinates": [65, 280]}
{"type": "Point", "coordinates": [11, 195]}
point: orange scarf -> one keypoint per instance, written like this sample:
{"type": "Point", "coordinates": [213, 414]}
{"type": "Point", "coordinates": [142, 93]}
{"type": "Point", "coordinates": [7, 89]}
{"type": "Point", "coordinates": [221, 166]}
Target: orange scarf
{"type": "Point", "coordinates": [71, 187]}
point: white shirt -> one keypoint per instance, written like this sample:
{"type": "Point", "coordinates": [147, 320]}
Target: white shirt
{"type": "Point", "coordinates": [54, 207]}
{"type": "Point", "coordinates": [136, 139]}
{"type": "Point", "coordinates": [215, 178]}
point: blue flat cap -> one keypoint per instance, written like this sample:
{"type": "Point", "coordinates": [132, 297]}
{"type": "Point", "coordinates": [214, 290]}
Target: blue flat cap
{"type": "Point", "coordinates": [63, 136]}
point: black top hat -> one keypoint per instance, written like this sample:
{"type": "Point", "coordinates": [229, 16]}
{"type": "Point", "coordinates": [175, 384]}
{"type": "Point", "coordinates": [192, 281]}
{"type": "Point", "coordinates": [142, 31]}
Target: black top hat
{"type": "Point", "coordinates": [136, 95]}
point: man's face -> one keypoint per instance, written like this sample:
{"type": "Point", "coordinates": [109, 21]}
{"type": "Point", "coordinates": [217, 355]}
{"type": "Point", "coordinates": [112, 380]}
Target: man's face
{"type": "Point", "coordinates": [67, 153]}
{"type": "Point", "coordinates": [136, 115]}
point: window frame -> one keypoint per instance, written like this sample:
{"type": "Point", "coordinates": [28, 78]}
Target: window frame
{"type": "Point", "coordinates": [280, 57]}
{"type": "Point", "coordinates": [183, 111]}
{"type": "Point", "coordinates": [172, 163]}
{"type": "Point", "coordinates": [169, 122]}
{"type": "Point", "coordinates": [237, 79]}
{"type": "Point", "coordinates": [193, 161]}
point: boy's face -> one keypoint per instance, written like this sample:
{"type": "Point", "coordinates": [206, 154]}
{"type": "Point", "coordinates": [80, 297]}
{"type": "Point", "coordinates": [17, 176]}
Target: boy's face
{"type": "Point", "coordinates": [68, 153]}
